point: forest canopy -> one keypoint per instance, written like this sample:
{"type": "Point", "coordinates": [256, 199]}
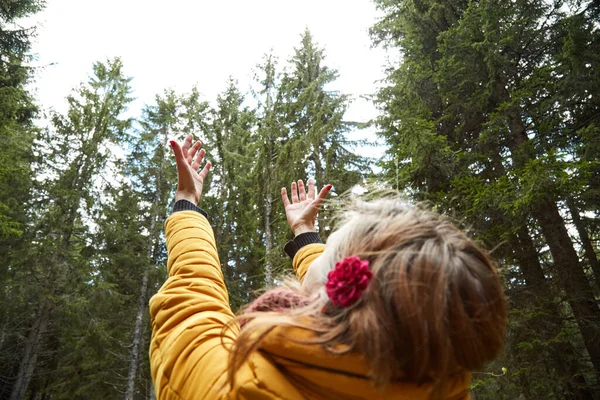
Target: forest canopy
{"type": "Point", "coordinates": [491, 115]}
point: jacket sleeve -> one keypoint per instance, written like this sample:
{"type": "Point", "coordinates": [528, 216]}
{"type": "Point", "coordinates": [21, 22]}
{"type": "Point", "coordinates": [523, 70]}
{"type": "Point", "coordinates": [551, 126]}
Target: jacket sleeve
{"type": "Point", "coordinates": [304, 257]}
{"type": "Point", "coordinates": [188, 355]}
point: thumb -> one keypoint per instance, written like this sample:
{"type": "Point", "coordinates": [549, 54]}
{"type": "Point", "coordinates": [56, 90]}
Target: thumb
{"type": "Point", "coordinates": [321, 196]}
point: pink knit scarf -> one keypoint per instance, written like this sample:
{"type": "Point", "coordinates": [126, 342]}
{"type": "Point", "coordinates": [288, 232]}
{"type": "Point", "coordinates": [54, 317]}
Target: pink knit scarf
{"type": "Point", "coordinates": [276, 300]}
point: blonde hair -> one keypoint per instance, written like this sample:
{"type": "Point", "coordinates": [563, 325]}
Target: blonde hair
{"type": "Point", "coordinates": [435, 306]}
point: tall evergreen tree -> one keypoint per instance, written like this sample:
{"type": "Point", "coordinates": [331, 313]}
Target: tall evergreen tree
{"type": "Point", "coordinates": [267, 134]}
{"type": "Point", "coordinates": [270, 172]}
{"type": "Point", "coordinates": [231, 200]}
{"type": "Point", "coordinates": [17, 133]}
{"type": "Point", "coordinates": [477, 125]}
{"type": "Point", "coordinates": [95, 336]}
{"type": "Point", "coordinates": [16, 113]}
{"type": "Point", "coordinates": [74, 153]}
{"type": "Point", "coordinates": [130, 250]}
{"type": "Point", "coordinates": [152, 172]}
{"type": "Point", "coordinates": [318, 142]}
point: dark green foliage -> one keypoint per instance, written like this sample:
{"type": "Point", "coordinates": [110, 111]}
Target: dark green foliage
{"type": "Point", "coordinates": [17, 133]}
{"type": "Point", "coordinates": [313, 115]}
{"type": "Point", "coordinates": [485, 117]}
{"type": "Point", "coordinates": [17, 110]}
{"type": "Point", "coordinates": [95, 336]}
{"type": "Point", "coordinates": [301, 133]}
{"type": "Point", "coordinates": [58, 258]}
{"type": "Point", "coordinates": [230, 202]}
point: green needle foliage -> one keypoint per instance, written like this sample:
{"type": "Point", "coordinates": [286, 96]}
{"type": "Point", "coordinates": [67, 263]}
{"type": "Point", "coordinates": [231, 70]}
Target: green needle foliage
{"type": "Point", "coordinates": [486, 118]}
{"type": "Point", "coordinates": [52, 274]}
{"type": "Point", "coordinates": [17, 133]}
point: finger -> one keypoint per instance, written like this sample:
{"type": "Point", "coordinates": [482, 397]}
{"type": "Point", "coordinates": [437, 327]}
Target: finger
{"type": "Point", "coordinates": [192, 152]}
{"type": "Point", "coordinates": [204, 173]}
{"type": "Point", "coordinates": [179, 157]}
{"type": "Point", "coordinates": [284, 197]}
{"type": "Point", "coordinates": [186, 145]}
{"type": "Point", "coordinates": [294, 193]}
{"type": "Point", "coordinates": [322, 194]}
{"type": "Point", "coordinates": [311, 189]}
{"type": "Point", "coordinates": [198, 160]}
{"type": "Point", "coordinates": [301, 190]}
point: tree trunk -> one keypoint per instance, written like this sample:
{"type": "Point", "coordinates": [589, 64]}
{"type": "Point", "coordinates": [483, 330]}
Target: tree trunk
{"type": "Point", "coordinates": [32, 350]}
{"type": "Point", "coordinates": [137, 338]}
{"type": "Point", "coordinates": [268, 237]}
{"type": "Point", "coordinates": [142, 299]}
{"type": "Point", "coordinates": [320, 178]}
{"type": "Point", "coordinates": [529, 264]}
{"type": "Point", "coordinates": [588, 248]}
{"type": "Point", "coordinates": [151, 393]}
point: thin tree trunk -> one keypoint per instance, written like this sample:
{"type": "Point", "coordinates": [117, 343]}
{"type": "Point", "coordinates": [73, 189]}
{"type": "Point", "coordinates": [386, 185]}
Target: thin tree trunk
{"type": "Point", "coordinates": [143, 297]}
{"type": "Point", "coordinates": [529, 264]}
{"type": "Point", "coordinates": [590, 254]}
{"type": "Point", "coordinates": [151, 393]}
{"type": "Point", "coordinates": [269, 194]}
{"type": "Point", "coordinates": [32, 350]}
{"type": "Point", "coordinates": [138, 330]}
{"type": "Point", "coordinates": [137, 338]}
{"type": "Point", "coordinates": [320, 178]}
{"type": "Point", "coordinates": [268, 237]}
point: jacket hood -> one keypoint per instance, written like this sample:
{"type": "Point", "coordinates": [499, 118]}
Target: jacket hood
{"type": "Point", "coordinates": [320, 375]}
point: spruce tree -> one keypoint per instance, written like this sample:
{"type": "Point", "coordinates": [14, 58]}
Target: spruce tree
{"type": "Point", "coordinates": [231, 198]}
{"type": "Point", "coordinates": [17, 133]}
{"type": "Point", "coordinates": [271, 134]}
{"type": "Point", "coordinates": [17, 111]}
{"type": "Point", "coordinates": [318, 144]}
{"type": "Point", "coordinates": [477, 124]}
{"type": "Point", "coordinates": [74, 153]}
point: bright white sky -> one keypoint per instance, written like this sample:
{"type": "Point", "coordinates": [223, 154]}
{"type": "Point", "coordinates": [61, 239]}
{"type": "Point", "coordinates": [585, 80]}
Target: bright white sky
{"type": "Point", "coordinates": [181, 43]}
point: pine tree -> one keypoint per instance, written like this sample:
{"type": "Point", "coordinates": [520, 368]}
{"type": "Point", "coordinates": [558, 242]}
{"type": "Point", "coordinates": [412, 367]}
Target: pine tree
{"type": "Point", "coordinates": [95, 333]}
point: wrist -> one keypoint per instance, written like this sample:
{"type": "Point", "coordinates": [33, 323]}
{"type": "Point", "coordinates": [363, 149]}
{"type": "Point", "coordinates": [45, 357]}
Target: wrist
{"type": "Point", "coordinates": [186, 196]}
{"type": "Point", "coordinates": [298, 230]}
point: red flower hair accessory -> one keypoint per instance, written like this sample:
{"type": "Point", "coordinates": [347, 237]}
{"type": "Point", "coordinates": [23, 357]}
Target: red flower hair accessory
{"type": "Point", "coordinates": [348, 280]}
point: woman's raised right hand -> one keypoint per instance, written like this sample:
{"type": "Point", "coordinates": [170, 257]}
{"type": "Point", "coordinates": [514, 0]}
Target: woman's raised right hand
{"type": "Point", "coordinates": [189, 180]}
{"type": "Point", "coordinates": [302, 211]}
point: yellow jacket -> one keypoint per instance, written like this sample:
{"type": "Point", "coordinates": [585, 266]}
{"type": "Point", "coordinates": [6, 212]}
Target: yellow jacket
{"type": "Point", "coordinates": [189, 356]}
